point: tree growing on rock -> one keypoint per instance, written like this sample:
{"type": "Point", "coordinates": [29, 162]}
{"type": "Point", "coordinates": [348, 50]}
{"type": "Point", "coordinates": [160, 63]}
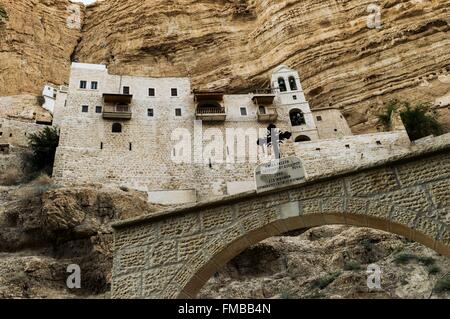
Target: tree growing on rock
{"type": "Point", "coordinates": [3, 14]}
{"type": "Point", "coordinates": [420, 119]}
{"type": "Point", "coordinates": [43, 148]}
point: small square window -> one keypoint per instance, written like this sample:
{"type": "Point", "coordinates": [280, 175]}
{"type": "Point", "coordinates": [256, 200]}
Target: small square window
{"type": "Point", "coordinates": [319, 118]}
{"type": "Point", "coordinates": [177, 112]}
{"type": "Point", "coordinates": [150, 112]}
{"type": "Point", "coordinates": [243, 111]}
{"type": "Point", "coordinates": [83, 84]}
{"type": "Point", "coordinates": [378, 142]}
{"type": "Point", "coordinates": [151, 92]}
{"type": "Point", "coordinates": [85, 109]}
{"type": "Point", "coordinates": [347, 146]}
{"type": "Point", "coordinates": [294, 97]}
{"type": "Point", "coordinates": [126, 90]}
{"type": "Point", "coordinates": [98, 109]}
{"type": "Point", "coordinates": [94, 85]}
{"type": "Point", "coordinates": [174, 92]}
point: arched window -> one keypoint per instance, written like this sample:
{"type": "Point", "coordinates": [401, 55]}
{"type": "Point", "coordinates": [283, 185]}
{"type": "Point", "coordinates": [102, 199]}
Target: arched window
{"type": "Point", "coordinates": [117, 128]}
{"type": "Point", "coordinates": [297, 117]}
{"type": "Point", "coordinates": [293, 83]}
{"type": "Point", "coordinates": [302, 138]}
{"type": "Point", "coordinates": [262, 110]}
{"type": "Point", "coordinates": [282, 85]}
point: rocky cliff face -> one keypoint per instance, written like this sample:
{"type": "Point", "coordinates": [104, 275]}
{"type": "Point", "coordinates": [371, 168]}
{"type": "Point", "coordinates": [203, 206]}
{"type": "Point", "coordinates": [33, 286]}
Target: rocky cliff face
{"type": "Point", "coordinates": [36, 44]}
{"type": "Point", "coordinates": [44, 229]}
{"type": "Point", "coordinates": [233, 45]}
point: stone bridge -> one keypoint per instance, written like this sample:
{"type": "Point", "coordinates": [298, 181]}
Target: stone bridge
{"type": "Point", "coordinates": [173, 254]}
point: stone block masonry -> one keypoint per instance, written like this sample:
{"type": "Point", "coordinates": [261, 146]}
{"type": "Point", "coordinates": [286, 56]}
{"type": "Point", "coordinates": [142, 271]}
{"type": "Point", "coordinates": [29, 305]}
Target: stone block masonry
{"type": "Point", "coordinates": [173, 254]}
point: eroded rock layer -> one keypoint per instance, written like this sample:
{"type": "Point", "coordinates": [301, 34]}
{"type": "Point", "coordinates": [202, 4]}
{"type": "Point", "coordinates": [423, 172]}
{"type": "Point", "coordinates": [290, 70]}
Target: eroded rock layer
{"type": "Point", "coordinates": [36, 44]}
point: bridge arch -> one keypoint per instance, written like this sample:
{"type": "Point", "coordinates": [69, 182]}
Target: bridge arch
{"type": "Point", "coordinates": [217, 262]}
{"type": "Point", "coordinates": [172, 254]}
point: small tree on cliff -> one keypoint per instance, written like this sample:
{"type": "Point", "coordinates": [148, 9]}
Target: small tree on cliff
{"type": "Point", "coordinates": [43, 148]}
{"type": "Point", "coordinates": [3, 14]}
{"type": "Point", "coordinates": [420, 120]}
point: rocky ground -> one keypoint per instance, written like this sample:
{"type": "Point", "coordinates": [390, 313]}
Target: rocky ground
{"type": "Point", "coordinates": [331, 262]}
{"type": "Point", "coordinates": [44, 228]}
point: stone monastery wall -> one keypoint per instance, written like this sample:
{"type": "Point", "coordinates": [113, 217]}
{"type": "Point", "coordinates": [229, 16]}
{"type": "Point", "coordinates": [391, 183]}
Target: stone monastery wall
{"type": "Point", "coordinates": [145, 154]}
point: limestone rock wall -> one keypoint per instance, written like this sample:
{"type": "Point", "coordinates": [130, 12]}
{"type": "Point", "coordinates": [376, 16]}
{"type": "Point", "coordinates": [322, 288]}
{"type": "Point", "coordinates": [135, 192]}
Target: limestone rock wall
{"type": "Point", "coordinates": [36, 44]}
{"type": "Point", "coordinates": [235, 44]}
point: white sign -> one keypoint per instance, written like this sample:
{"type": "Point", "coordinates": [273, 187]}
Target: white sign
{"type": "Point", "coordinates": [279, 173]}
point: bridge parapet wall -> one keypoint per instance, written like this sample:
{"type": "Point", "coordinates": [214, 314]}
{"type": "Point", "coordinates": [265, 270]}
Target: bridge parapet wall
{"type": "Point", "coordinates": [174, 253]}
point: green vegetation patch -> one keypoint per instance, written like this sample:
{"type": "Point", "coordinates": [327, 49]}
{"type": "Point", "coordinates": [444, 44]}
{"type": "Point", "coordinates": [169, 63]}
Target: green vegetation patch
{"type": "Point", "coordinates": [443, 284]}
{"type": "Point", "coordinates": [404, 258]}
{"type": "Point", "coordinates": [428, 262]}
{"type": "Point", "coordinates": [3, 13]}
{"type": "Point", "coordinates": [325, 281]}
{"type": "Point", "coordinates": [352, 265]}
{"type": "Point", "coordinates": [43, 146]}
{"type": "Point", "coordinates": [420, 119]}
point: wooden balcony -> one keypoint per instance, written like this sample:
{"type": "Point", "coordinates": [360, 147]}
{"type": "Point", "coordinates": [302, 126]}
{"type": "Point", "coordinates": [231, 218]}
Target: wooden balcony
{"type": "Point", "coordinates": [202, 96]}
{"type": "Point", "coordinates": [263, 97]}
{"type": "Point", "coordinates": [121, 112]}
{"type": "Point", "coordinates": [117, 98]}
{"type": "Point", "coordinates": [211, 113]}
{"type": "Point", "coordinates": [269, 114]}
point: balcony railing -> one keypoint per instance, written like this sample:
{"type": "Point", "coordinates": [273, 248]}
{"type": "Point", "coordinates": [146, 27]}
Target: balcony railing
{"type": "Point", "coordinates": [269, 114]}
{"type": "Point", "coordinates": [117, 112]}
{"type": "Point", "coordinates": [264, 97]}
{"type": "Point", "coordinates": [211, 113]}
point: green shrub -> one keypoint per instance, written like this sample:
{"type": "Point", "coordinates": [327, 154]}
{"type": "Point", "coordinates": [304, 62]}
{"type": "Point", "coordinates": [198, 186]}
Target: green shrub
{"type": "Point", "coordinates": [325, 281]}
{"type": "Point", "coordinates": [367, 244]}
{"type": "Point", "coordinates": [43, 148]}
{"type": "Point", "coordinates": [443, 284]}
{"type": "Point", "coordinates": [404, 258]}
{"type": "Point", "coordinates": [384, 118]}
{"type": "Point", "coordinates": [433, 269]}
{"type": "Point", "coordinates": [352, 265]}
{"type": "Point", "coordinates": [426, 261]}
{"type": "Point", "coordinates": [3, 13]}
{"type": "Point", "coordinates": [420, 120]}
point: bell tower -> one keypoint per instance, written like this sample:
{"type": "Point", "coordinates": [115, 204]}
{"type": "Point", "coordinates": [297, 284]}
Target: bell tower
{"type": "Point", "coordinates": [287, 86]}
